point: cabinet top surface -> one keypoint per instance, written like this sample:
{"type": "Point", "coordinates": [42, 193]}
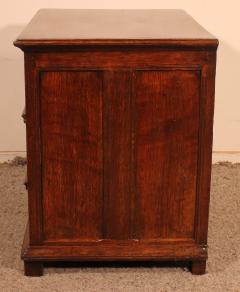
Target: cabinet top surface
{"type": "Point", "coordinates": [88, 25]}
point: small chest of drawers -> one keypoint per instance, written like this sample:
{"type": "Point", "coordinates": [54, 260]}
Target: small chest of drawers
{"type": "Point", "coordinates": [119, 118]}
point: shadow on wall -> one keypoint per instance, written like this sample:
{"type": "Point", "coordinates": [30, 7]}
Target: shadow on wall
{"type": "Point", "coordinates": [12, 130]}
{"type": "Point", "coordinates": [227, 104]}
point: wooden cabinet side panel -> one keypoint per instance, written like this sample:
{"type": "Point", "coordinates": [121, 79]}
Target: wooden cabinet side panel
{"type": "Point", "coordinates": [166, 142]}
{"type": "Point", "coordinates": [143, 224]}
{"type": "Point", "coordinates": [71, 130]}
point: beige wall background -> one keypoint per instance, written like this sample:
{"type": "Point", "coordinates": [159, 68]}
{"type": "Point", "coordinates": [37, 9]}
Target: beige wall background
{"type": "Point", "coordinates": [218, 16]}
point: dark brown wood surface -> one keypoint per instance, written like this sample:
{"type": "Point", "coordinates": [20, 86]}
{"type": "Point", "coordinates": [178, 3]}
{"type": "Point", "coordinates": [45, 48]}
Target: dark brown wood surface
{"type": "Point", "coordinates": [73, 27]}
{"type": "Point", "coordinates": [166, 152]}
{"type": "Point", "coordinates": [71, 131]}
{"type": "Point", "coordinates": [65, 24]}
{"type": "Point", "coordinates": [118, 172]}
{"type": "Point", "coordinates": [119, 140]}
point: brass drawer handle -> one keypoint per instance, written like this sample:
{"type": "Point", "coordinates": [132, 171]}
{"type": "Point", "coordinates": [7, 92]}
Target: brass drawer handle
{"type": "Point", "coordinates": [26, 182]}
{"type": "Point", "coordinates": [24, 115]}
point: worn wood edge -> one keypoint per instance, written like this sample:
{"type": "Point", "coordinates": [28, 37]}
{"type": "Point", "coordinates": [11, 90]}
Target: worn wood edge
{"type": "Point", "coordinates": [73, 253]}
{"type": "Point", "coordinates": [188, 252]}
{"type": "Point", "coordinates": [161, 43]}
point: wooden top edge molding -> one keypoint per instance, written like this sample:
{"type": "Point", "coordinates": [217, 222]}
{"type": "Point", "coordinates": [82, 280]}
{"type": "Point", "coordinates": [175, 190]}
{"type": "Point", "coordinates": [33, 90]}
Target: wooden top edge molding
{"type": "Point", "coordinates": [213, 43]}
{"type": "Point", "coordinates": [74, 27]}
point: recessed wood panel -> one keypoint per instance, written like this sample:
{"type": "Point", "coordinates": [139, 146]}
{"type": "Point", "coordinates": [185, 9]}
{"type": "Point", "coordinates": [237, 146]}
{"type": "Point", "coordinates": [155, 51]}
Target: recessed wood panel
{"type": "Point", "coordinates": [71, 133]}
{"type": "Point", "coordinates": [166, 142]}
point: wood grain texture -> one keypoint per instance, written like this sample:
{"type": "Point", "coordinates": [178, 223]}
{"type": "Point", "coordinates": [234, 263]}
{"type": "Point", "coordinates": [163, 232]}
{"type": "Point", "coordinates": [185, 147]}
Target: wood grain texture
{"type": "Point", "coordinates": [115, 250]}
{"type": "Point", "coordinates": [56, 28]}
{"type": "Point", "coordinates": [205, 149]}
{"type": "Point", "coordinates": [118, 191]}
{"type": "Point", "coordinates": [119, 138]}
{"type": "Point", "coordinates": [166, 154]}
{"type": "Point", "coordinates": [71, 127]}
{"type": "Point", "coordinates": [76, 24]}
{"type": "Point", "coordinates": [33, 150]}
{"type": "Point", "coordinates": [120, 58]}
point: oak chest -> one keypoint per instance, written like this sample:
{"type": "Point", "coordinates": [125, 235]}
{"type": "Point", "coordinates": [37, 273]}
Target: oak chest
{"type": "Point", "coordinates": [119, 118]}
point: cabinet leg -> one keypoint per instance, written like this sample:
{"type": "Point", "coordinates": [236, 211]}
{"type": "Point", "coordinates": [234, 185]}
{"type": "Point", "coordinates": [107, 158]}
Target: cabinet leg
{"type": "Point", "coordinates": [198, 267]}
{"type": "Point", "coordinates": [33, 269]}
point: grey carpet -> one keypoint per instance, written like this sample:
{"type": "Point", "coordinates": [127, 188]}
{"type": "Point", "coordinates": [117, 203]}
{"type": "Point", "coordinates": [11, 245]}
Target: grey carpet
{"type": "Point", "coordinates": [224, 247]}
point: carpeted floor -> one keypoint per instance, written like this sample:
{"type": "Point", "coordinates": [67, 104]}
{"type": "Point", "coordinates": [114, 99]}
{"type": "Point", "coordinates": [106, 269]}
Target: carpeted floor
{"type": "Point", "coordinates": [224, 247]}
